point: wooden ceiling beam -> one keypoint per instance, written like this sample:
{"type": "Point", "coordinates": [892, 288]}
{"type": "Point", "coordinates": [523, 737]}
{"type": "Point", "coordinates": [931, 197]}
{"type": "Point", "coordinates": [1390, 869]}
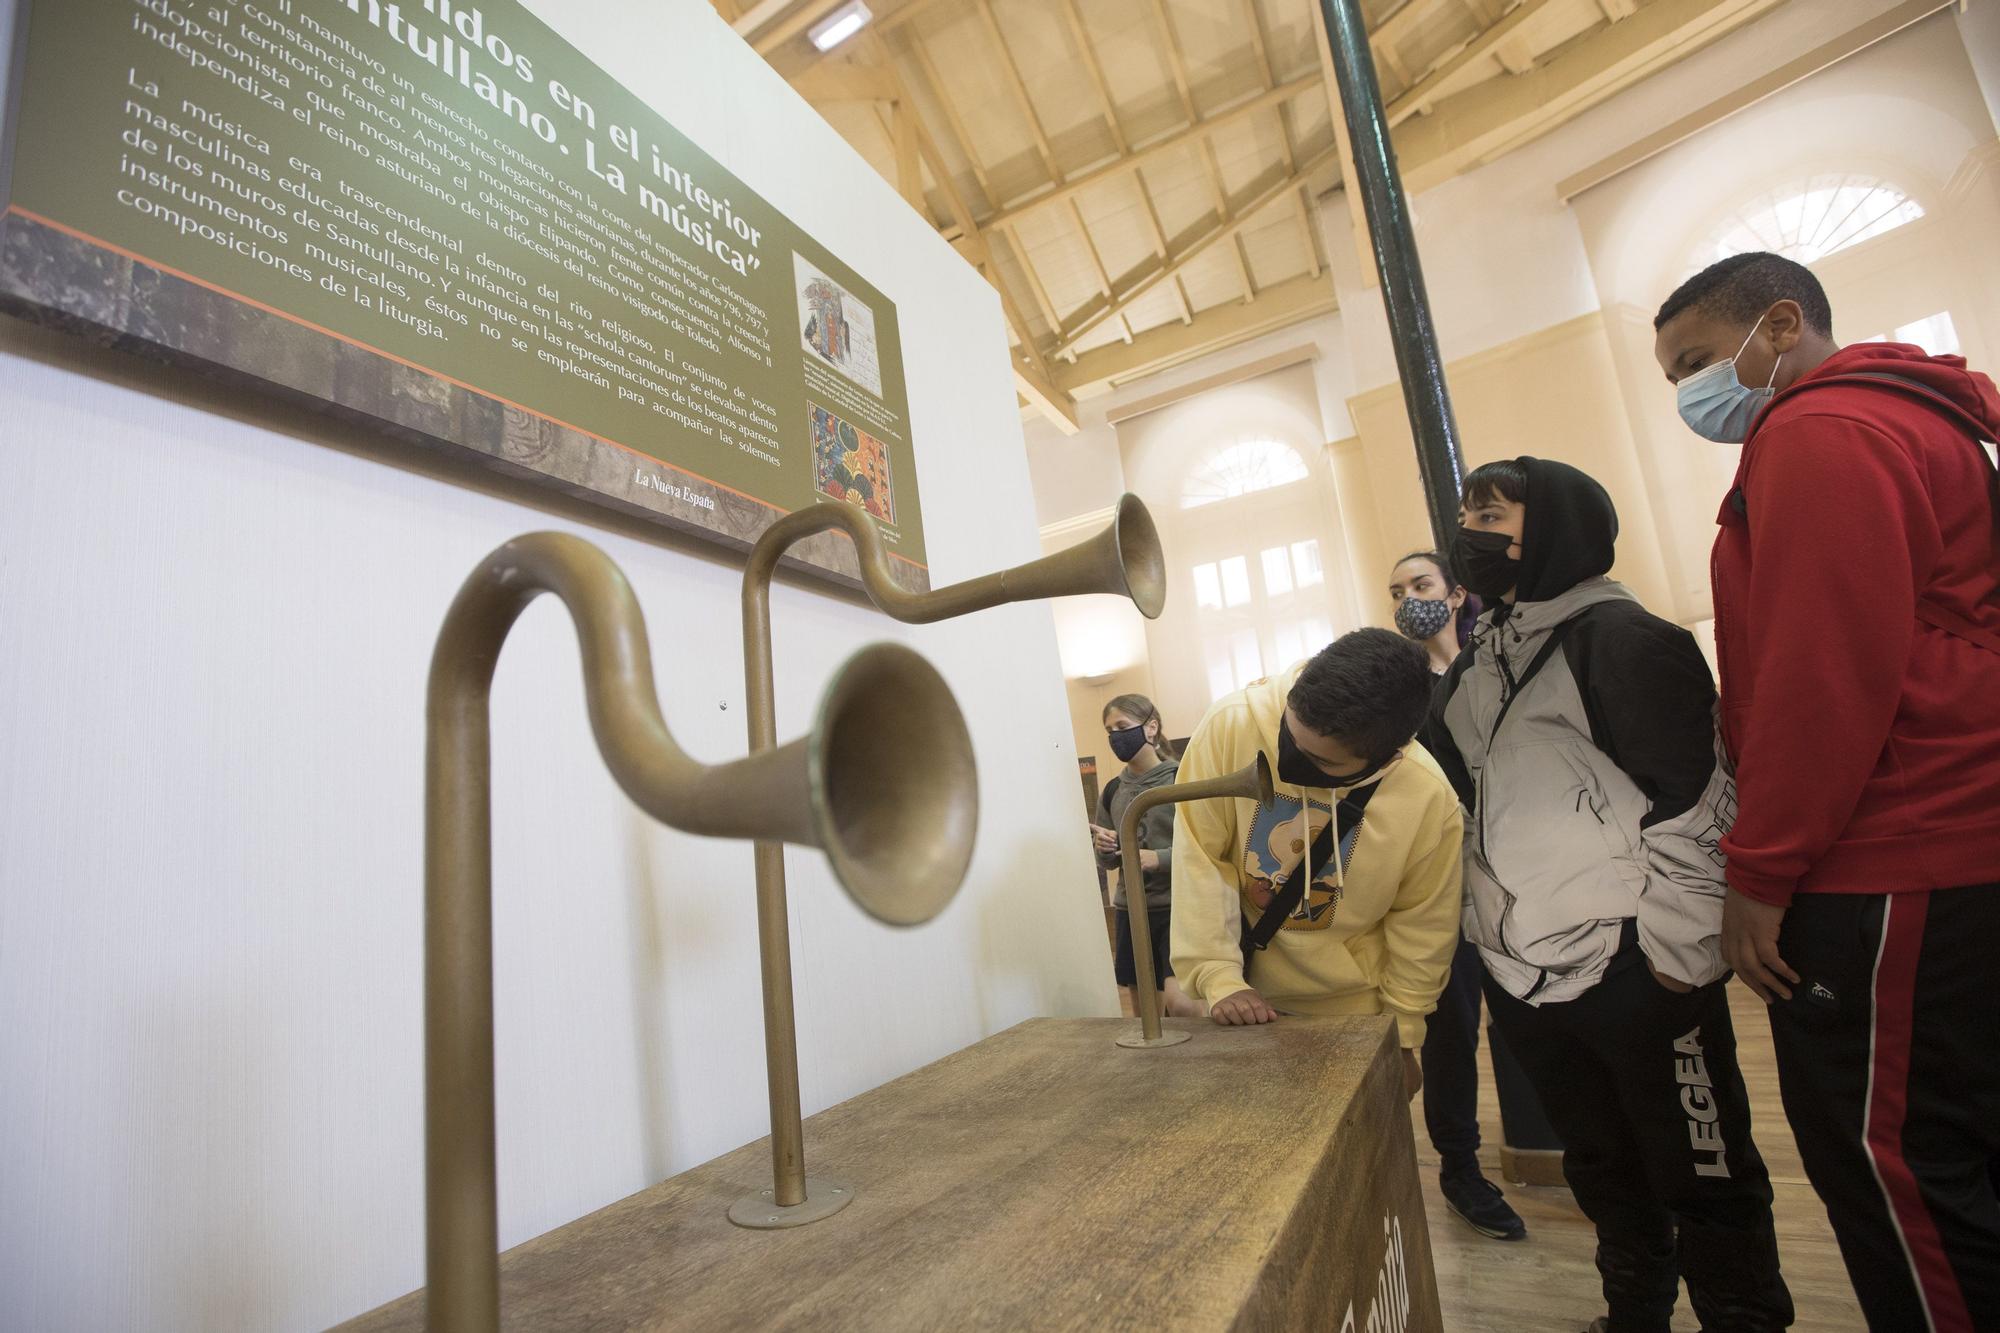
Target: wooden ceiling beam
{"type": "Point", "coordinates": [1124, 146]}
{"type": "Point", "coordinates": [1287, 145]}
{"type": "Point", "coordinates": [1485, 46]}
{"type": "Point", "coordinates": [1032, 378]}
{"type": "Point", "coordinates": [1499, 114]}
{"type": "Point", "coordinates": [844, 81]}
{"type": "Point", "coordinates": [1228, 227]}
{"type": "Point", "coordinates": [1357, 216]}
{"type": "Point", "coordinates": [1155, 148]}
{"type": "Point", "coordinates": [1177, 65]}
{"type": "Point", "coordinates": [1048, 156]}
{"type": "Point", "coordinates": [1278, 306]}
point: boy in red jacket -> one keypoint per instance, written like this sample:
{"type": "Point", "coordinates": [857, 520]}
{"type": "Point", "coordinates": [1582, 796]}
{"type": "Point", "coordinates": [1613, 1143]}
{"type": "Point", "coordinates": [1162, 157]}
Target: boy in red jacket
{"type": "Point", "coordinates": [1858, 628]}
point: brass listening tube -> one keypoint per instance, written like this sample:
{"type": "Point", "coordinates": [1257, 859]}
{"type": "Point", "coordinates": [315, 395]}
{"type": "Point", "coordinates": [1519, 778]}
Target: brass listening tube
{"type": "Point", "coordinates": [1253, 780]}
{"type": "Point", "coordinates": [895, 821]}
{"type": "Point", "coordinates": [1125, 559]}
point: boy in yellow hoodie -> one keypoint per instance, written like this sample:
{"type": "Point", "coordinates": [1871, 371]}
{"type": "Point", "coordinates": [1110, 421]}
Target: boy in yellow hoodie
{"type": "Point", "coordinates": [1377, 925]}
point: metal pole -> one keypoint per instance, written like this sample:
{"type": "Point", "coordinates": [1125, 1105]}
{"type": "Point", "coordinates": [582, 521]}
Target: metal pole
{"type": "Point", "coordinates": [1439, 460]}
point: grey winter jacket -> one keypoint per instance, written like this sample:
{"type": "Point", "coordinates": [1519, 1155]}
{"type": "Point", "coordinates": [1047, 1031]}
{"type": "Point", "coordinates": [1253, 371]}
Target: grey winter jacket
{"type": "Point", "coordinates": [1593, 794]}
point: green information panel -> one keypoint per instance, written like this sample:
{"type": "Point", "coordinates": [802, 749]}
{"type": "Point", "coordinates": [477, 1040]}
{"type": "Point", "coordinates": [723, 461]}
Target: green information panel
{"type": "Point", "coordinates": [441, 219]}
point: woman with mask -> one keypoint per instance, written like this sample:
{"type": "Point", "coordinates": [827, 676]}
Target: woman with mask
{"type": "Point", "coordinates": [1435, 610]}
{"type": "Point", "coordinates": [1136, 735]}
{"type": "Point", "coordinates": [1432, 607]}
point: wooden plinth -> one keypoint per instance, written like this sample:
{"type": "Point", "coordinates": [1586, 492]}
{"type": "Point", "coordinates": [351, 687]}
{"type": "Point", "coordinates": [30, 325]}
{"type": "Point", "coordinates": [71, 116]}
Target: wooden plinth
{"type": "Point", "coordinates": [1533, 1166]}
{"type": "Point", "coordinates": [1249, 1178]}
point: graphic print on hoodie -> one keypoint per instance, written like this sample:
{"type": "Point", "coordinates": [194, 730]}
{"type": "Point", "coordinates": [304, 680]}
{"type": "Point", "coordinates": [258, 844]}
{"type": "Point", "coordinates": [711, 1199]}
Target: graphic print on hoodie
{"type": "Point", "coordinates": [1274, 845]}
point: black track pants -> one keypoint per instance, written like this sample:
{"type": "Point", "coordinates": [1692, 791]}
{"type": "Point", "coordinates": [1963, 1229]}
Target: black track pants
{"type": "Point", "coordinates": [1643, 1086]}
{"type": "Point", "coordinates": [1451, 1066]}
{"type": "Point", "coordinates": [1889, 1058]}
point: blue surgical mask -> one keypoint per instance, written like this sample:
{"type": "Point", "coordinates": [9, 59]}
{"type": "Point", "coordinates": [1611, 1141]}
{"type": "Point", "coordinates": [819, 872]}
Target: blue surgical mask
{"type": "Point", "coordinates": [1716, 405]}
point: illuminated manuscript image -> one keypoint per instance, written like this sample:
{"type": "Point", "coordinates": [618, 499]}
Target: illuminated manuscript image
{"type": "Point", "coordinates": [835, 327]}
{"type": "Point", "coordinates": [851, 465]}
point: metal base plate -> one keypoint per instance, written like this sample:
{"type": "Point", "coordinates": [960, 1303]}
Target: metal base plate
{"type": "Point", "coordinates": [824, 1198]}
{"type": "Point", "coordinates": [1137, 1040]}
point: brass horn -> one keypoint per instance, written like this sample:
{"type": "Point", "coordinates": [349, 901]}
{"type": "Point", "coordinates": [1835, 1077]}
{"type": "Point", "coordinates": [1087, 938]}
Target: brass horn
{"type": "Point", "coordinates": [1124, 559]}
{"type": "Point", "coordinates": [895, 820]}
{"type": "Point", "coordinates": [1253, 780]}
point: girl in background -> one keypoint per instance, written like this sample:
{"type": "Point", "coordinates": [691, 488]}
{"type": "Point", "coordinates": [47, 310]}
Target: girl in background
{"type": "Point", "coordinates": [1132, 726]}
{"type": "Point", "coordinates": [1432, 607]}
{"type": "Point", "coordinates": [1435, 610]}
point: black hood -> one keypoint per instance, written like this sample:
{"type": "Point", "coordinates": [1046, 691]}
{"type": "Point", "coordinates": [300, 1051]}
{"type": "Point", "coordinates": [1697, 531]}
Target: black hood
{"type": "Point", "coordinates": [1570, 533]}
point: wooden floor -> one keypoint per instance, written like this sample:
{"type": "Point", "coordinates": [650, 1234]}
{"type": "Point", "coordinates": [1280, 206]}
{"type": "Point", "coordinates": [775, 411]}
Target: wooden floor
{"type": "Point", "coordinates": [1548, 1282]}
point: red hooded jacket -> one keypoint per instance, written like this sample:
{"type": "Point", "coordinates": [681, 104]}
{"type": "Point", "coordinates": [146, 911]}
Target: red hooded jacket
{"type": "Point", "coordinates": [1866, 741]}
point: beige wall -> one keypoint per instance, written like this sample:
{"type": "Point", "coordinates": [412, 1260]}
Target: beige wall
{"type": "Point", "coordinates": [1553, 394]}
{"type": "Point", "coordinates": [1908, 111]}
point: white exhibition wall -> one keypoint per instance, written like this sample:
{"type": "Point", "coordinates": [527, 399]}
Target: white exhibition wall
{"type": "Point", "coordinates": [215, 620]}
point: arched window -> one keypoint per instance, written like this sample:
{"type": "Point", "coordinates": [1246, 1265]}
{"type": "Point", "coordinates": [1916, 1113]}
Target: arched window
{"type": "Point", "coordinates": [1239, 469]}
{"type": "Point", "coordinates": [1810, 219]}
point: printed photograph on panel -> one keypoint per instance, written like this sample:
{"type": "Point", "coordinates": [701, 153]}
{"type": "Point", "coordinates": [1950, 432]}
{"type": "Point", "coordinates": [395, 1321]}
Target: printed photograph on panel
{"type": "Point", "coordinates": [835, 327]}
{"type": "Point", "coordinates": [850, 464]}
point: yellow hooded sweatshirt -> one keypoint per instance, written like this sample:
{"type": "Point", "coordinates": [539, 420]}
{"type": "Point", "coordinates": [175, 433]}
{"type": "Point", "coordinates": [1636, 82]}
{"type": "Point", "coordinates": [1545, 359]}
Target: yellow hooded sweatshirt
{"type": "Point", "coordinates": [1377, 934]}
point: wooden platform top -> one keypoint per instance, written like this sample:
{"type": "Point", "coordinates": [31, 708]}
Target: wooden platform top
{"type": "Point", "coordinates": [1043, 1177]}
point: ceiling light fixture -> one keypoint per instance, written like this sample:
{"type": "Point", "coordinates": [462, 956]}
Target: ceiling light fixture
{"type": "Point", "coordinates": [840, 25]}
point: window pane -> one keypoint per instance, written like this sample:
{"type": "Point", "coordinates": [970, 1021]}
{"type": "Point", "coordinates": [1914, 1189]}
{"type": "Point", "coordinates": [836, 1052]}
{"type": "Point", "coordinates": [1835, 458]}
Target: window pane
{"type": "Point", "coordinates": [1235, 581]}
{"type": "Point", "coordinates": [1316, 633]}
{"type": "Point", "coordinates": [1290, 646]}
{"type": "Point", "coordinates": [1277, 572]}
{"type": "Point", "coordinates": [1221, 678]}
{"type": "Point", "coordinates": [1241, 468]}
{"type": "Point", "coordinates": [1207, 587]}
{"type": "Point", "coordinates": [1249, 662]}
{"type": "Point", "coordinates": [1936, 335]}
{"type": "Point", "coordinates": [1811, 218]}
{"type": "Point", "coordinates": [1305, 559]}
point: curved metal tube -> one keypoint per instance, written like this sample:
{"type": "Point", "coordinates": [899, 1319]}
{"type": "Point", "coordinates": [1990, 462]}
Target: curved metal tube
{"type": "Point", "coordinates": [895, 822]}
{"type": "Point", "coordinates": [1124, 559]}
{"type": "Point", "coordinates": [1253, 780]}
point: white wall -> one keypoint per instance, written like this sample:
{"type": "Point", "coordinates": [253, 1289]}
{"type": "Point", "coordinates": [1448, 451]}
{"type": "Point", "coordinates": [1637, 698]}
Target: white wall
{"type": "Point", "coordinates": [1908, 111]}
{"type": "Point", "coordinates": [215, 619]}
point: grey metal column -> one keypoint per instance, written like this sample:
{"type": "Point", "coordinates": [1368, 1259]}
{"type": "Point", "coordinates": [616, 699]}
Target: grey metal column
{"type": "Point", "coordinates": [1438, 457]}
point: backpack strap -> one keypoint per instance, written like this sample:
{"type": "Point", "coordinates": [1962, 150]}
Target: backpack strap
{"type": "Point", "coordinates": [1915, 388]}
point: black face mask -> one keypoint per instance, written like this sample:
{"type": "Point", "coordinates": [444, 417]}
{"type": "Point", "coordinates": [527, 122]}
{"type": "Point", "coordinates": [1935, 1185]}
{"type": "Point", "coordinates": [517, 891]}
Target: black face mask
{"type": "Point", "coordinates": [1127, 741]}
{"type": "Point", "coordinates": [1296, 768]}
{"type": "Point", "coordinates": [1482, 564]}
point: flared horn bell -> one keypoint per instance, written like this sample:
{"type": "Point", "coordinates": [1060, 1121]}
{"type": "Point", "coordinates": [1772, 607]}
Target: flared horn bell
{"type": "Point", "coordinates": [1124, 559]}
{"type": "Point", "coordinates": [1260, 781]}
{"type": "Point", "coordinates": [891, 784]}
{"type": "Point", "coordinates": [1140, 556]}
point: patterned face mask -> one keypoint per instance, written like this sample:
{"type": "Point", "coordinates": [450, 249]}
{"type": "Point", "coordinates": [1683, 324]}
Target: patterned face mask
{"type": "Point", "coordinates": [1422, 620]}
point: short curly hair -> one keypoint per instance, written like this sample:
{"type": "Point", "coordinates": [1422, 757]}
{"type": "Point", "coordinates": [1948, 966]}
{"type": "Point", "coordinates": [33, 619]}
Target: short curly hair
{"type": "Point", "coordinates": [1742, 287]}
{"type": "Point", "coordinates": [1368, 689]}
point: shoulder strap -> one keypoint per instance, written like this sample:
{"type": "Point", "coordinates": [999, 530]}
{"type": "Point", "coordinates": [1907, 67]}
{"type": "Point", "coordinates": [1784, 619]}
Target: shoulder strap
{"type": "Point", "coordinates": [1915, 388]}
{"type": "Point", "coordinates": [1346, 815]}
{"type": "Point", "coordinates": [1516, 685]}
{"type": "Point", "coordinates": [1111, 790]}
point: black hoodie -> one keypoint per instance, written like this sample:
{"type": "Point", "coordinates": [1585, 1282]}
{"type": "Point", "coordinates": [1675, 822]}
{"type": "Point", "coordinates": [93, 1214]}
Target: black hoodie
{"type": "Point", "coordinates": [1570, 534]}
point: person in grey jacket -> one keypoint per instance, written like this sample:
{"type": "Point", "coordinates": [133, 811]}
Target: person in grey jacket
{"type": "Point", "coordinates": [1133, 729]}
{"type": "Point", "coordinates": [1578, 731]}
